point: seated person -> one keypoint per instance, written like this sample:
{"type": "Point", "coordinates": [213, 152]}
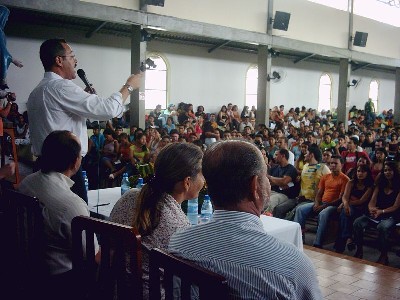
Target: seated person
{"type": "Point", "coordinates": [328, 198]}
{"type": "Point", "coordinates": [155, 210]}
{"type": "Point", "coordinates": [383, 212]}
{"type": "Point", "coordinates": [354, 204]}
{"type": "Point", "coordinates": [126, 164]}
{"type": "Point", "coordinates": [22, 136]}
{"type": "Point", "coordinates": [109, 152]}
{"type": "Point", "coordinates": [285, 189]}
{"type": "Point", "coordinates": [234, 243]}
{"type": "Point", "coordinates": [52, 186]}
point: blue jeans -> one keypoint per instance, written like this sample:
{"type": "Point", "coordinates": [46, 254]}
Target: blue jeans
{"type": "Point", "coordinates": [346, 222]}
{"type": "Point", "coordinates": [303, 211]}
{"type": "Point", "coordinates": [384, 228]}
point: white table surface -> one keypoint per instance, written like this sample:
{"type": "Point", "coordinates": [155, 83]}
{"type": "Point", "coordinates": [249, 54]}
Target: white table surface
{"type": "Point", "coordinates": [108, 197]}
{"type": "Point", "coordinates": [283, 230]}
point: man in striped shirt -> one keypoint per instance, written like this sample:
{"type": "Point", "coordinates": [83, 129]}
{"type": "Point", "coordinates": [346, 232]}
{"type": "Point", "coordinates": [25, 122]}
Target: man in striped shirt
{"type": "Point", "coordinates": [234, 244]}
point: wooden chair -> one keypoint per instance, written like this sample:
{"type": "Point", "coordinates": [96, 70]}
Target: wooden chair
{"type": "Point", "coordinates": [210, 285]}
{"type": "Point", "coordinates": [22, 249]}
{"type": "Point", "coordinates": [120, 251]}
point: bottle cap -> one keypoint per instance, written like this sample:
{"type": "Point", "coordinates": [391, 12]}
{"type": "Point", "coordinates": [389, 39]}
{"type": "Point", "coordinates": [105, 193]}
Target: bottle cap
{"type": "Point", "coordinates": [140, 180]}
{"type": "Point", "coordinates": [206, 197]}
{"type": "Point", "coordinates": [83, 173]}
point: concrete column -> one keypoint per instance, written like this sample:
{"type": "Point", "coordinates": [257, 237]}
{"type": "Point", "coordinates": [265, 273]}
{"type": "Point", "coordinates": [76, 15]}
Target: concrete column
{"type": "Point", "coordinates": [138, 55]}
{"type": "Point", "coordinates": [263, 97]}
{"type": "Point", "coordinates": [396, 107]}
{"type": "Point", "coordinates": [343, 94]}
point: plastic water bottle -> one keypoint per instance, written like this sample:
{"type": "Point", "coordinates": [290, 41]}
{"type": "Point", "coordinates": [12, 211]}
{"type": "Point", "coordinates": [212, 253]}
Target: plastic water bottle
{"type": "Point", "coordinates": [193, 211]}
{"type": "Point", "coordinates": [125, 186]}
{"type": "Point", "coordinates": [139, 183]}
{"type": "Point", "coordinates": [86, 180]}
{"type": "Point", "coordinates": [206, 210]}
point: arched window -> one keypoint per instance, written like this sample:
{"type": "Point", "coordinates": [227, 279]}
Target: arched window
{"type": "Point", "coordinates": [251, 86]}
{"type": "Point", "coordinates": [373, 93]}
{"type": "Point", "coordinates": [325, 92]}
{"type": "Point", "coordinates": [156, 83]}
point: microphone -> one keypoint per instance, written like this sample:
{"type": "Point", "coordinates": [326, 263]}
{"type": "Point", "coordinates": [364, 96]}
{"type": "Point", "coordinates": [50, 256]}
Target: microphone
{"type": "Point", "coordinates": [83, 77]}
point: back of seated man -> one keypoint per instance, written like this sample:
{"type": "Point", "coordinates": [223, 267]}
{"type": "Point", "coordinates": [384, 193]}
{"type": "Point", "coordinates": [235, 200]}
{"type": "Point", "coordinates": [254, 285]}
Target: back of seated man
{"type": "Point", "coordinates": [234, 243]}
{"type": "Point", "coordinates": [328, 198]}
{"type": "Point", "coordinates": [52, 186]}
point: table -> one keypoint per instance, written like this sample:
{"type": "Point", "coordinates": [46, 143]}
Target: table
{"type": "Point", "coordinates": [102, 201]}
{"type": "Point", "coordinates": [283, 230]}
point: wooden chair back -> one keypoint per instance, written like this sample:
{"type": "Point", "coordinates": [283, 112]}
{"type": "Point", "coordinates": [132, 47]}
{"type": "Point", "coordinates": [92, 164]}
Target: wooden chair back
{"type": "Point", "coordinates": [23, 246]}
{"type": "Point", "coordinates": [119, 274]}
{"type": "Point", "coordinates": [162, 264]}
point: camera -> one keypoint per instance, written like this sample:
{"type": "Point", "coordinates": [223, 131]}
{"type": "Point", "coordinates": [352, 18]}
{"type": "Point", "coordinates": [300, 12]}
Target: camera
{"type": "Point", "coordinates": [11, 97]}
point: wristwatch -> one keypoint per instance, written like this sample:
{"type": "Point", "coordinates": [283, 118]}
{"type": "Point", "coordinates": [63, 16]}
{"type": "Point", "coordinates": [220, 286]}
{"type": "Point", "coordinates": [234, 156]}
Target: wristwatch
{"type": "Point", "coordinates": [129, 87]}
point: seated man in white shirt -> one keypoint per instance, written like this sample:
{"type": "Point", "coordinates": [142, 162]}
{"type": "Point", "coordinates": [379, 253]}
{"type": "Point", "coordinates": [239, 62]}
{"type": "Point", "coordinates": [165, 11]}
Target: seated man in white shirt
{"type": "Point", "coordinates": [234, 243]}
{"type": "Point", "coordinates": [61, 153]}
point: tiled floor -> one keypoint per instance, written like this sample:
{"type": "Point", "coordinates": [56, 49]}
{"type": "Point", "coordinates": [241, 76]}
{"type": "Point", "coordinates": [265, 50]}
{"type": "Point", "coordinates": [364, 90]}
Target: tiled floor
{"type": "Point", "coordinates": [344, 277]}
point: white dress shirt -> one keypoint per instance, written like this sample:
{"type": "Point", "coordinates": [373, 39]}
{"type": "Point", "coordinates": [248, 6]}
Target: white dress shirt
{"type": "Point", "coordinates": [59, 104]}
{"type": "Point", "coordinates": [60, 206]}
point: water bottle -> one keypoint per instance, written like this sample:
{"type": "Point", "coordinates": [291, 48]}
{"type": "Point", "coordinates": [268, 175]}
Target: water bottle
{"type": "Point", "coordinates": [86, 180]}
{"type": "Point", "coordinates": [206, 210]}
{"type": "Point", "coordinates": [125, 186]}
{"type": "Point", "coordinates": [139, 183]}
{"type": "Point", "coordinates": [193, 211]}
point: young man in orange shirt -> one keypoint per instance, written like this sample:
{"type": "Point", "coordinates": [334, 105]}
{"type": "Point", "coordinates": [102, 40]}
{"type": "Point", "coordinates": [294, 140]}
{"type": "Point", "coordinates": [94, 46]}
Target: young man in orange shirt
{"type": "Point", "coordinates": [329, 196]}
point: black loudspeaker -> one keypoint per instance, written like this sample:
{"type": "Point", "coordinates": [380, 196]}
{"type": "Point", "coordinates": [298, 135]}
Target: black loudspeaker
{"type": "Point", "coordinates": [360, 39]}
{"type": "Point", "coordinates": [155, 2]}
{"type": "Point", "coordinates": [281, 20]}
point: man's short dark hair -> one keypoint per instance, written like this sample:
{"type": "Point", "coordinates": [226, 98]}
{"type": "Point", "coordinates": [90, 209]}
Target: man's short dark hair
{"type": "Point", "coordinates": [314, 150]}
{"type": "Point", "coordinates": [355, 140]}
{"type": "Point", "coordinates": [338, 157]}
{"type": "Point", "coordinates": [229, 167]}
{"type": "Point", "coordinates": [173, 131]}
{"type": "Point", "coordinates": [49, 50]}
{"type": "Point", "coordinates": [284, 152]}
{"type": "Point", "coordinates": [59, 151]}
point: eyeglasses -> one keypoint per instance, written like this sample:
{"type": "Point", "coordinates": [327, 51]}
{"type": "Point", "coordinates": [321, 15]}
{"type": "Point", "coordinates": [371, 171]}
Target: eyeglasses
{"type": "Point", "coordinates": [73, 56]}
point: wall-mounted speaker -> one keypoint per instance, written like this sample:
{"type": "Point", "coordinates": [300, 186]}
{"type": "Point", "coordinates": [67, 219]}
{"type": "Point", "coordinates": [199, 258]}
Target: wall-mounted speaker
{"type": "Point", "coordinates": [155, 2]}
{"type": "Point", "coordinates": [281, 20]}
{"type": "Point", "coordinates": [360, 39]}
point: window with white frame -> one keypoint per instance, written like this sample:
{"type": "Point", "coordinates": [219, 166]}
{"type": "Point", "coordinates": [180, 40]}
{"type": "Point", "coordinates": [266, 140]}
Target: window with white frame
{"type": "Point", "coordinates": [325, 92]}
{"type": "Point", "coordinates": [373, 93]}
{"type": "Point", "coordinates": [251, 86]}
{"type": "Point", "coordinates": [156, 83]}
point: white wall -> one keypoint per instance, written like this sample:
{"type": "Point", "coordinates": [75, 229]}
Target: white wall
{"type": "Point", "coordinates": [309, 21]}
{"type": "Point", "coordinates": [195, 76]}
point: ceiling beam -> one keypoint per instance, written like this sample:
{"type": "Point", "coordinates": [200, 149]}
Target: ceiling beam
{"type": "Point", "coordinates": [218, 46]}
{"type": "Point", "coordinates": [360, 66]}
{"type": "Point", "coordinates": [303, 58]}
{"type": "Point", "coordinates": [76, 8]}
{"type": "Point", "coordinates": [90, 33]}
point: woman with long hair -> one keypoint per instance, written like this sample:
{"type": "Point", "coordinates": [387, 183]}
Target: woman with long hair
{"type": "Point", "coordinates": [355, 199]}
{"type": "Point", "coordinates": [378, 162]}
{"type": "Point", "coordinates": [383, 211]}
{"type": "Point", "coordinates": [155, 210]}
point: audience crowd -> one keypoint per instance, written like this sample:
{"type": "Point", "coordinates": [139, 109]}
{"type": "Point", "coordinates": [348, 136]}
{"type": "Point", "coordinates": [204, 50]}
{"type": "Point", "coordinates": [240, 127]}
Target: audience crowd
{"type": "Point", "coordinates": [300, 146]}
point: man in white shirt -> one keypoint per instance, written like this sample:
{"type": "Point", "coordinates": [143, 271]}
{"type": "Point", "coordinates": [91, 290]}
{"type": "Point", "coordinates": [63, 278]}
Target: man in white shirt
{"type": "Point", "coordinates": [59, 104]}
{"type": "Point", "coordinates": [51, 185]}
